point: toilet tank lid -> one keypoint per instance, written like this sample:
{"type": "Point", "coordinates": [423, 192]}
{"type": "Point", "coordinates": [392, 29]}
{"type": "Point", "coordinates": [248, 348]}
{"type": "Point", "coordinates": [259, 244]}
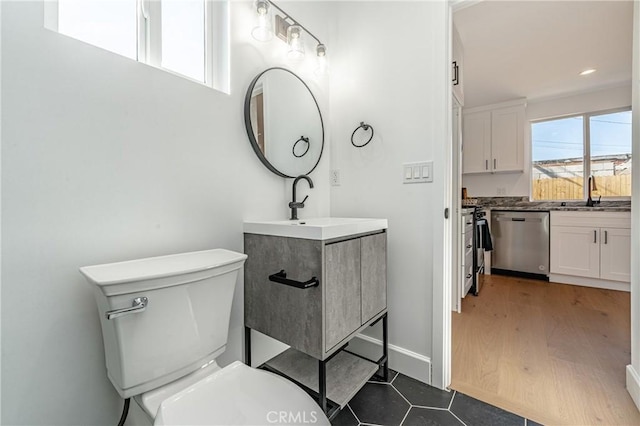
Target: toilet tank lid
{"type": "Point", "coordinates": [161, 266]}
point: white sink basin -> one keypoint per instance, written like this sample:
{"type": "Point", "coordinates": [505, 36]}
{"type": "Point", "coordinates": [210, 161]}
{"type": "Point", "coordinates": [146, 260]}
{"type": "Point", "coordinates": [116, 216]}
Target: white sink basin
{"type": "Point", "coordinates": [320, 228]}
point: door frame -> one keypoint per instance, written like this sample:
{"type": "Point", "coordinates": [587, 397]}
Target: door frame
{"type": "Point", "coordinates": [443, 272]}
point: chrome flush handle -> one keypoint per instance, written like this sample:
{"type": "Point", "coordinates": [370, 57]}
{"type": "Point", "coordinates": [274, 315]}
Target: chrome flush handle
{"type": "Point", "coordinates": [139, 304]}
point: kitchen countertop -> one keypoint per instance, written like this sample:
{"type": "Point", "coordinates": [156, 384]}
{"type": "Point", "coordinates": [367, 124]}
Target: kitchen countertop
{"type": "Point", "coordinates": [523, 203]}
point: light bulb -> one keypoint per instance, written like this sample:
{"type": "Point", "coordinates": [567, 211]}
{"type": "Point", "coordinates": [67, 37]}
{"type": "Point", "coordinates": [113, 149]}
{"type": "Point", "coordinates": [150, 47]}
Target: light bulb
{"type": "Point", "coordinates": [296, 45]}
{"type": "Point", "coordinates": [588, 71]}
{"type": "Point", "coordinates": [263, 30]}
{"type": "Point", "coordinates": [321, 56]}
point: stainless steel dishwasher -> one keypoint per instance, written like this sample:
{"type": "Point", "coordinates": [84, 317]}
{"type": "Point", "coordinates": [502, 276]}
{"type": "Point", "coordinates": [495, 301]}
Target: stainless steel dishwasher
{"type": "Point", "coordinates": [520, 241]}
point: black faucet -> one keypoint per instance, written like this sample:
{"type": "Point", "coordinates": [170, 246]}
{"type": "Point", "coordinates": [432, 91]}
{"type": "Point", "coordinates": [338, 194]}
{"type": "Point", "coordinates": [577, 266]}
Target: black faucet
{"type": "Point", "coordinates": [590, 202]}
{"type": "Point", "coordinates": [295, 205]}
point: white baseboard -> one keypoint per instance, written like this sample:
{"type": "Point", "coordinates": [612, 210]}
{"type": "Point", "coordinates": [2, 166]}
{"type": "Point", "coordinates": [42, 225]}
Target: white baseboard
{"type": "Point", "coordinates": [589, 282]}
{"type": "Point", "coordinates": [402, 360]}
{"type": "Point", "coordinates": [633, 384]}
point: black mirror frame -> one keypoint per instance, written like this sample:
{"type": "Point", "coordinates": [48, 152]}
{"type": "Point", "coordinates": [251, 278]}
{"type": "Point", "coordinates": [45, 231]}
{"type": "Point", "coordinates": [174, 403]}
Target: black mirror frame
{"type": "Point", "coordinates": [250, 134]}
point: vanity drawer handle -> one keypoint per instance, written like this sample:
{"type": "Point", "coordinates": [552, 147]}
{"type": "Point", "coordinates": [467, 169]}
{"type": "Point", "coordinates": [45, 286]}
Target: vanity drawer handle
{"type": "Point", "coordinates": [281, 278]}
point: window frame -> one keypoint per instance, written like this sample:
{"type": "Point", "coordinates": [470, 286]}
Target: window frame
{"type": "Point", "coordinates": [586, 149]}
{"type": "Point", "coordinates": [149, 39]}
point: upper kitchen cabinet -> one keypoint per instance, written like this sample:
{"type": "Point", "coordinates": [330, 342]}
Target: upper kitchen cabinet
{"type": "Point", "coordinates": [493, 138]}
{"type": "Point", "coordinates": [457, 57]}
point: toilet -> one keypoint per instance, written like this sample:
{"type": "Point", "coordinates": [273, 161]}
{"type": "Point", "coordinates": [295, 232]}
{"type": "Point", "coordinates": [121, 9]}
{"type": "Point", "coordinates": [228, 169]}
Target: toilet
{"type": "Point", "coordinates": [164, 322]}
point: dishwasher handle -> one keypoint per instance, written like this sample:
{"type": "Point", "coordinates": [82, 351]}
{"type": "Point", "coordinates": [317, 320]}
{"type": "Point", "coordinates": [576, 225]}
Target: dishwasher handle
{"type": "Point", "coordinates": [517, 219]}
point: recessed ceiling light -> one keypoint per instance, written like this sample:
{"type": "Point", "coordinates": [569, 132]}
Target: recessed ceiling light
{"type": "Point", "coordinates": [587, 72]}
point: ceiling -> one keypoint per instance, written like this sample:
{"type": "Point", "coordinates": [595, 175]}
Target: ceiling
{"type": "Point", "coordinates": [536, 49]}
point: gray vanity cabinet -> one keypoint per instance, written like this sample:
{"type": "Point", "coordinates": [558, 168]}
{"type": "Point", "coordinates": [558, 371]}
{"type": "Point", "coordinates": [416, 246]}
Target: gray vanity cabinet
{"type": "Point", "coordinates": [374, 275]}
{"type": "Point", "coordinates": [316, 320]}
{"type": "Point", "coordinates": [342, 290]}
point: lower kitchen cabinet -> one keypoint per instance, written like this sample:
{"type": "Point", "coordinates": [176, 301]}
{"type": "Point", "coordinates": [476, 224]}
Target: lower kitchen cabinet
{"type": "Point", "coordinates": [591, 245]}
{"type": "Point", "coordinates": [615, 254]}
{"type": "Point", "coordinates": [575, 251]}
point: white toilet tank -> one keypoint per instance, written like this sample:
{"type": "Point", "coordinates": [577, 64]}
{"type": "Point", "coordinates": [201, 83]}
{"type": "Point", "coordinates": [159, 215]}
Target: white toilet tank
{"type": "Point", "coordinates": [184, 324]}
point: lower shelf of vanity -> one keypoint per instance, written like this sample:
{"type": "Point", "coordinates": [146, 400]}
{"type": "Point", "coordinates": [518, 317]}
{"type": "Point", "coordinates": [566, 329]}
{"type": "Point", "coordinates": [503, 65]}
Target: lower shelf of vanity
{"type": "Point", "coordinates": [346, 373]}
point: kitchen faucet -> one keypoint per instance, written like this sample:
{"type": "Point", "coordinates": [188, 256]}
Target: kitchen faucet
{"type": "Point", "coordinates": [295, 205]}
{"type": "Point", "coordinates": [590, 202]}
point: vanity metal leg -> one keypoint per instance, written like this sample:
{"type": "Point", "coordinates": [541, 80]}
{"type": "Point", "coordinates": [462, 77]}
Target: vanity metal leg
{"type": "Point", "coordinates": [385, 348]}
{"type": "Point", "coordinates": [322, 385]}
{"type": "Point", "coordinates": [247, 346]}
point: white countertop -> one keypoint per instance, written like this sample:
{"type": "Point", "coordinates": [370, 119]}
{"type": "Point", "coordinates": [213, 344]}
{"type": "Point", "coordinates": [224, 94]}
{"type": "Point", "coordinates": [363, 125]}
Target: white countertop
{"type": "Point", "coordinates": [321, 228]}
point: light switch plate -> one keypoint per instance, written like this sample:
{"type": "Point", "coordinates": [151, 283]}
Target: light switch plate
{"type": "Point", "coordinates": [421, 172]}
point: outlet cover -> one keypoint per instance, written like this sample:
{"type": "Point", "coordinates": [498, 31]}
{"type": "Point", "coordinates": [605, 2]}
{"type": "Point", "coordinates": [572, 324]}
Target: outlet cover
{"type": "Point", "coordinates": [335, 177]}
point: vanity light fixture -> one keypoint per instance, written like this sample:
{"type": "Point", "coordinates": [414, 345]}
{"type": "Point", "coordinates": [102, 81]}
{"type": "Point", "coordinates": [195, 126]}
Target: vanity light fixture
{"type": "Point", "coordinates": [263, 31]}
{"type": "Point", "coordinates": [289, 30]}
{"type": "Point", "coordinates": [588, 71]}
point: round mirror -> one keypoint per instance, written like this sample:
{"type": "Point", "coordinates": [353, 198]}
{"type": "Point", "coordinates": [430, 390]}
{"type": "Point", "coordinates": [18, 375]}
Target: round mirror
{"type": "Point", "coordinates": [284, 123]}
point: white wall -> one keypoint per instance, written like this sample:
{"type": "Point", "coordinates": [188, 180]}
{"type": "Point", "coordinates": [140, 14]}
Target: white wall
{"type": "Point", "coordinates": [394, 80]}
{"type": "Point", "coordinates": [633, 370]}
{"type": "Point", "coordinates": [518, 184]}
{"type": "Point", "coordinates": [0, 211]}
{"type": "Point", "coordinates": [107, 159]}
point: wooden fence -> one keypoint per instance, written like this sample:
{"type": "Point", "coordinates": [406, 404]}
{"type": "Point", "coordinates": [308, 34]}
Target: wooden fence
{"type": "Point", "coordinates": [572, 188]}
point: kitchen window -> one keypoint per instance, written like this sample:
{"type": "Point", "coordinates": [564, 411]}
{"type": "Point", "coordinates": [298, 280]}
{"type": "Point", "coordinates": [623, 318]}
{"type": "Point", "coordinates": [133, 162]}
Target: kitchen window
{"type": "Point", "coordinates": [185, 37]}
{"type": "Point", "coordinates": [566, 151]}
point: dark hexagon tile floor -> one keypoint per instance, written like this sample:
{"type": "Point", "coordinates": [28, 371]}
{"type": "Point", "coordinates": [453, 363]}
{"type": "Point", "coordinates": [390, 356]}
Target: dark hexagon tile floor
{"type": "Point", "coordinates": [379, 403]}
{"type": "Point", "coordinates": [404, 401]}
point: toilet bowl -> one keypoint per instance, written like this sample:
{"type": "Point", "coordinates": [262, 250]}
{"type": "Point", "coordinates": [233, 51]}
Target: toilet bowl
{"type": "Point", "coordinates": [164, 322]}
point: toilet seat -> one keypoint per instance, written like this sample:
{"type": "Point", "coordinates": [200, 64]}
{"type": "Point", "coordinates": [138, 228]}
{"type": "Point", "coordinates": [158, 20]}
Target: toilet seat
{"type": "Point", "coordinates": [240, 395]}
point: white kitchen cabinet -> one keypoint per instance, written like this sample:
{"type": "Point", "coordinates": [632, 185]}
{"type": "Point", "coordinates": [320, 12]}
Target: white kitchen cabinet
{"type": "Point", "coordinates": [575, 251]}
{"type": "Point", "coordinates": [457, 56]}
{"type": "Point", "coordinates": [592, 245]}
{"type": "Point", "coordinates": [476, 142]}
{"type": "Point", "coordinates": [465, 275]}
{"type": "Point", "coordinates": [615, 254]}
{"type": "Point", "coordinates": [507, 139]}
{"type": "Point", "coordinates": [493, 138]}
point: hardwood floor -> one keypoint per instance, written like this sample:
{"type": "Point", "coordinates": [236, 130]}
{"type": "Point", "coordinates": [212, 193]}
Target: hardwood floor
{"type": "Point", "coordinates": [553, 353]}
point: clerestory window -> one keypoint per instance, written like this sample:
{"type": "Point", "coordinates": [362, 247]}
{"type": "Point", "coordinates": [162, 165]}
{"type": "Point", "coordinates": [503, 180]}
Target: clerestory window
{"type": "Point", "coordinates": [186, 37]}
